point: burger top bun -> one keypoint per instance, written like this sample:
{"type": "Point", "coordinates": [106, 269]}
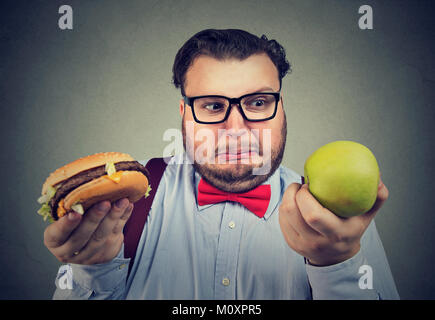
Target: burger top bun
{"type": "Point", "coordinates": [82, 164]}
{"type": "Point", "coordinates": [132, 185]}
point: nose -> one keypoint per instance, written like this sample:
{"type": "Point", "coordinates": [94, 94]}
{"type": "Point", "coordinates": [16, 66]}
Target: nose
{"type": "Point", "coordinates": [235, 120]}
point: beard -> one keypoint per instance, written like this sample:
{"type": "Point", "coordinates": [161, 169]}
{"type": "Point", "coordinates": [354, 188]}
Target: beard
{"type": "Point", "coordinates": [239, 177]}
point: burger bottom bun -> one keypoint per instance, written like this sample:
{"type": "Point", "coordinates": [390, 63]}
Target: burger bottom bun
{"type": "Point", "coordinates": [133, 185]}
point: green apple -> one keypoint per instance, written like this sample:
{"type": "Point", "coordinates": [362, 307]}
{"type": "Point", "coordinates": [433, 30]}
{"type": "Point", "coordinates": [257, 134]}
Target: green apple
{"type": "Point", "coordinates": [344, 177]}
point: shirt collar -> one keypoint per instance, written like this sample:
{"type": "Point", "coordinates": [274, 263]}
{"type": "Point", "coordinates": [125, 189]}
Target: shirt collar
{"type": "Point", "coordinates": [275, 186]}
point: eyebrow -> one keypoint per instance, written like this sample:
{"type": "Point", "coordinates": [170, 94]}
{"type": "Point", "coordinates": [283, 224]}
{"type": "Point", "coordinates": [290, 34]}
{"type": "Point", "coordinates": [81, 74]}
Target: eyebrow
{"type": "Point", "coordinates": [264, 89]}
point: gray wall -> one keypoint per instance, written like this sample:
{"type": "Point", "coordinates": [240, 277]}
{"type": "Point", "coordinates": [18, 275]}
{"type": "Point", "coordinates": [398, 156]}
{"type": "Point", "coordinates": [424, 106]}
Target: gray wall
{"type": "Point", "coordinates": [106, 86]}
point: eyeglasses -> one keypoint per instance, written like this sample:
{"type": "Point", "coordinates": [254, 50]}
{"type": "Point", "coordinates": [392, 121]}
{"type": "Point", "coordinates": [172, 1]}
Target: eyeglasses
{"type": "Point", "coordinates": [259, 106]}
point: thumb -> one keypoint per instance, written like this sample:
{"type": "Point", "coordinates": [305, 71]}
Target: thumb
{"type": "Point", "coordinates": [382, 196]}
{"type": "Point", "coordinates": [289, 197]}
{"type": "Point", "coordinates": [59, 231]}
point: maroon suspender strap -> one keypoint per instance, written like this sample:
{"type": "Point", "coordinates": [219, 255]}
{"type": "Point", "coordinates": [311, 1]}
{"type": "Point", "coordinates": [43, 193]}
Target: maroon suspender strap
{"type": "Point", "coordinates": [135, 224]}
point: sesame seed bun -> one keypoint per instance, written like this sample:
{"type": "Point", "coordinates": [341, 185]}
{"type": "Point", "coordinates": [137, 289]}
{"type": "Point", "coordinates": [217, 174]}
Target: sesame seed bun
{"type": "Point", "coordinates": [79, 165]}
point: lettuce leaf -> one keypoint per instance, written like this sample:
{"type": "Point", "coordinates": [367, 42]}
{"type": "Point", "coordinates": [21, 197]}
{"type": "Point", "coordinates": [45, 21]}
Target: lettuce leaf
{"type": "Point", "coordinates": [147, 193]}
{"type": "Point", "coordinates": [110, 168]}
{"type": "Point", "coordinates": [45, 212]}
{"type": "Point", "coordinates": [45, 198]}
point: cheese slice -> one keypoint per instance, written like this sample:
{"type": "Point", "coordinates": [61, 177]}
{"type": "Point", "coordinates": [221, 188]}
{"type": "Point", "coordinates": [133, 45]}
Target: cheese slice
{"type": "Point", "coordinates": [116, 177]}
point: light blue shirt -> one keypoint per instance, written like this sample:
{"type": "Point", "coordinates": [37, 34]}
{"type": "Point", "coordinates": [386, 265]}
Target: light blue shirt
{"type": "Point", "coordinates": [223, 251]}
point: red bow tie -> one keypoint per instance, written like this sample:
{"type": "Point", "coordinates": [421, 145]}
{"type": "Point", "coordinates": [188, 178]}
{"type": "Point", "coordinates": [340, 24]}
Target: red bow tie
{"type": "Point", "coordinates": [255, 200]}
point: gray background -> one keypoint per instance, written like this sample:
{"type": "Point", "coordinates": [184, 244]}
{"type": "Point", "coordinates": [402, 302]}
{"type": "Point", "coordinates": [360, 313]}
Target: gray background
{"type": "Point", "coordinates": [106, 86]}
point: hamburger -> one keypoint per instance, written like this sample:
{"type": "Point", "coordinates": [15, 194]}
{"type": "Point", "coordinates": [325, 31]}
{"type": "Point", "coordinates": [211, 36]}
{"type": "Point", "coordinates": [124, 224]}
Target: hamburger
{"type": "Point", "coordinates": [82, 183]}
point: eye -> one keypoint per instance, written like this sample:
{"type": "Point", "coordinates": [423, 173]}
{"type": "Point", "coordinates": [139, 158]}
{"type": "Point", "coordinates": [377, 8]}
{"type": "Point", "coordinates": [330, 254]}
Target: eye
{"type": "Point", "coordinates": [258, 103]}
{"type": "Point", "coordinates": [213, 106]}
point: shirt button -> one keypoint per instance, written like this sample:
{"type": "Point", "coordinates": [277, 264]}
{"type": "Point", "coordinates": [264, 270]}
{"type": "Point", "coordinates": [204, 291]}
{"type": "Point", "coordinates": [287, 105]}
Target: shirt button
{"type": "Point", "coordinates": [226, 281]}
{"type": "Point", "coordinates": [122, 266]}
{"type": "Point", "coordinates": [232, 224]}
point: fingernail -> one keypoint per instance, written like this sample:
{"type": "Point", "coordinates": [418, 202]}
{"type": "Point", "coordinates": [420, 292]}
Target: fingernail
{"type": "Point", "coordinates": [102, 206]}
{"type": "Point", "coordinates": [122, 203]}
{"type": "Point", "coordinates": [73, 216]}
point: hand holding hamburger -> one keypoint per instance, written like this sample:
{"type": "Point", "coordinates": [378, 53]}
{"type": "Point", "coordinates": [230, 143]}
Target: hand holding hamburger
{"type": "Point", "coordinates": [88, 202]}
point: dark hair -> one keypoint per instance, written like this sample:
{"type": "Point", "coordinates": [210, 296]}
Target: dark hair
{"type": "Point", "coordinates": [223, 44]}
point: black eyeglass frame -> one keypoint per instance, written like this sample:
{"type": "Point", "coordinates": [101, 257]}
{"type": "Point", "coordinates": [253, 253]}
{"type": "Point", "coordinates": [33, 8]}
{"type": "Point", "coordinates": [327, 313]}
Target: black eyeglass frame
{"type": "Point", "coordinates": [190, 100]}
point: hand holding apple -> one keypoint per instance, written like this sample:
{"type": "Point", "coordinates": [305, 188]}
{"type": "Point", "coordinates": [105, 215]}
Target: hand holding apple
{"type": "Point", "coordinates": [318, 234]}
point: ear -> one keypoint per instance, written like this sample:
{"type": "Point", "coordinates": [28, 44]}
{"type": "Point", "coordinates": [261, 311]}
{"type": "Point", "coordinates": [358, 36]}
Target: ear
{"type": "Point", "coordinates": [181, 107]}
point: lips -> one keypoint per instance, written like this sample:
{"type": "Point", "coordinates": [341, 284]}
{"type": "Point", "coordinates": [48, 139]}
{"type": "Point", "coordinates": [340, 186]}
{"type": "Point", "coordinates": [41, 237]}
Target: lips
{"type": "Point", "coordinates": [237, 155]}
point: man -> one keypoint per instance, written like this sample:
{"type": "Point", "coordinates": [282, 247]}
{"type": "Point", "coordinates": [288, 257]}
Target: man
{"type": "Point", "coordinates": [285, 246]}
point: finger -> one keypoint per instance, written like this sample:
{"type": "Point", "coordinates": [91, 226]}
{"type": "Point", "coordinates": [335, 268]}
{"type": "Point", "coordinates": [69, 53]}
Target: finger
{"type": "Point", "coordinates": [81, 235]}
{"type": "Point", "coordinates": [381, 197]}
{"type": "Point", "coordinates": [290, 234]}
{"type": "Point", "coordinates": [58, 232]}
{"type": "Point", "coordinates": [94, 254]}
{"type": "Point", "coordinates": [105, 228]}
{"type": "Point", "coordinates": [104, 235]}
{"type": "Point", "coordinates": [358, 224]}
{"type": "Point", "coordinates": [302, 227]}
{"type": "Point", "coordinates": [288, 205]}
{"type": "Point", "coordinates": [315, 215]}
{"type": "Point", "coordinates": [383, 192]}
{"type": "Point", "coordinates": [293, 238]}
{"type": "Point", "coordinates": [288, 199]}
{"type": "Point", "coordinates": [119, 227]}
{"type": "Point", "coordinates": [294, 214]}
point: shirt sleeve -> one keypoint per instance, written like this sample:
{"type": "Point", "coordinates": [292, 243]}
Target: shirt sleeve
{"type": "Point", "coordinates": [93, 282]}
{"type": "Point", "coordinates": [365, 276]}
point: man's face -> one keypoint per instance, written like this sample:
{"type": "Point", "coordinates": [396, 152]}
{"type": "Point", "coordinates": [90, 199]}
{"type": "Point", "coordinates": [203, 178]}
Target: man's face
{"type": "Point", "coordinates": [231, 165]}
